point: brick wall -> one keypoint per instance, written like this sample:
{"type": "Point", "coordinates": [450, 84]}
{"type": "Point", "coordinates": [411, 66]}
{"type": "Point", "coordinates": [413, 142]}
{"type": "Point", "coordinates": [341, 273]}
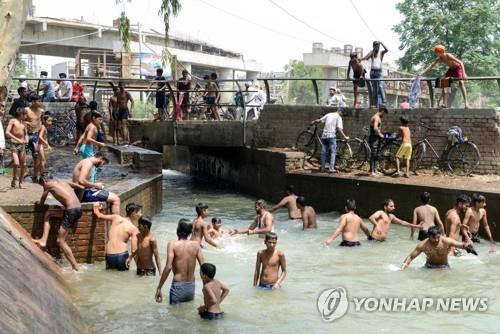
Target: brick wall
{"type": "Point", "coordinates": [280, 125]}
{"type": "Point", "coordinates": [89, 238]}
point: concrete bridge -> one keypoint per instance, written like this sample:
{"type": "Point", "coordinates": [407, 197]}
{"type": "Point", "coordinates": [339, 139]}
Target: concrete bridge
{"type": "Point", "coordinates": [56, 37]}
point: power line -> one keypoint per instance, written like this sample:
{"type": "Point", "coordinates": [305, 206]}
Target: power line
{"type": "Point", "coordinates": [254, 23]}
{"type": "Point", "coordinates": [362, 19]}
{"type": "Point", "coordinates": [306, 24]}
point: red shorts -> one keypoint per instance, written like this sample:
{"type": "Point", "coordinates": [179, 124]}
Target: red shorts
{"type": "Point", "coordinates": [456, 72]}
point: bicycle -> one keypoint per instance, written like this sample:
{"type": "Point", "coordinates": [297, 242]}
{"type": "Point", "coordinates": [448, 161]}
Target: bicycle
{"type": "Point", "coordinates": [309, 142]}
{"type": "Point", "coordinates": [361, 152]}
{"type": "Point", "coordinates": [58, 135]}
{"type": "Point", "coordinates": [460, 158]}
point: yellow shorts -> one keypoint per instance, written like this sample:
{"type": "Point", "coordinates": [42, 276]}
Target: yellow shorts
{"type": "Point", "coordinates": [404, 151]}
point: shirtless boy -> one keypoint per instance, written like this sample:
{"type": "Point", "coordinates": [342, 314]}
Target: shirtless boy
{"type": "Point", "coordinates": [289, 201]}
{"type": "Point", "coordinates": [308, 214]}
{"type": "Point", "coordinates": [358, 74]}
{"type": "Point", "coordinates": [216, 230]}
{"type": "Point", "coordinates": [349, 224]}
{"type": "Point", "coordinates": [200, 226]}
{"type": "Point", "coordinates": [146, 249]}
{"type": "Point", "coordinates": [114, 125]}
{"type": "Point", "coordinates": [269, 262]}
{"type": "Point", "coordinates": [405, 150]}
{"type": "Point", "coordinates": [456, 69]}
{"type": "Point", "coordinates": [261, 225]}
{"type": "Point", "coordinates": [33, 121]}
{"type": "Point", "coordinates": [475, 215]}
{"type": "Point", "coordinates": [181, 259]}
{"type": "Point", "coordinates": [121, 231]}
{"type": "Point", "coordinates": [454, 227]}
{"type": "Point", "coordinates": [382, 220]}
{"type": "Point", "coordinates": [426, 215]}
{"type": "Point", "coordinates": [213, 95]}
{"type": "Point", "coordinates": [123, 97]}
{"type": "Point", "coordinates": [437, 248]}
{"type": "Point", "coordinates": [214, 293]}
{"type": "Point", "coordinates": [64, 193]}
{"type": "Point", "coordinates": [17, 132]}
{"type": "Point", "coordinates": [84, 175]}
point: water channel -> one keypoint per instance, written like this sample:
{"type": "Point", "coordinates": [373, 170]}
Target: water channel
{"type": "Point", "coordinates": [114, 302]}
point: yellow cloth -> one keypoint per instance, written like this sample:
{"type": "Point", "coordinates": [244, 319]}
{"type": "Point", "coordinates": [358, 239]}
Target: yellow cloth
{"type": "Point", "coordinates": [404, 151]}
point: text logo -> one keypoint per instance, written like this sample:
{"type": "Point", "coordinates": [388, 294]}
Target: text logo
{"type": "Point", "coordinates": [333, 304]}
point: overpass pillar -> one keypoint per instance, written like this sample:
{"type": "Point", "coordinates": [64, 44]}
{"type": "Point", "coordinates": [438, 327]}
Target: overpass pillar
{"type": "Point", "coordinates": [226, 74]}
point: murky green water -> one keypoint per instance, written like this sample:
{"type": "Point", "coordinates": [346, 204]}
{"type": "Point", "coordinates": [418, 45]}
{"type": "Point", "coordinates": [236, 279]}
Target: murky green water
{"type": "Point", "coordinates": [123, 303]}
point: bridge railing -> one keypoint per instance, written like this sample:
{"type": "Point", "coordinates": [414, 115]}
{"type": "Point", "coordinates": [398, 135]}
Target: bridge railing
{"type": "Point", "coordinates": [482, 91]}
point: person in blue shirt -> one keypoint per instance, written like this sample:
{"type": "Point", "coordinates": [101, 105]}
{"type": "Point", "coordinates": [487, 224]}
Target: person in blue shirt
{"type": "Point", "coordinates": [49, 94]}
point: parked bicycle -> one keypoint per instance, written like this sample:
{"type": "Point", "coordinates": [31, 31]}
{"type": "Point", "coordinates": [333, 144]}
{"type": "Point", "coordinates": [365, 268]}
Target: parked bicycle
{"type": "Point", "coordinates": [460, 157]}
{"type": "Point", "coordinates": [62, 131]}
{"type": "Point", "coordinates": [309, 142]}
{"type": "Point", "coordinates": [361, 152]}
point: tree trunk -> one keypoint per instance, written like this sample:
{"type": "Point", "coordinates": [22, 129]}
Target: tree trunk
{"type": "Point", "coordinates": [13, 14]}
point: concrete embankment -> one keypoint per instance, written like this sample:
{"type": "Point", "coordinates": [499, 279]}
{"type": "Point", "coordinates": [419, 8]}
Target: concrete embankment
{"type": "Point", "coordinates": [34, 296]}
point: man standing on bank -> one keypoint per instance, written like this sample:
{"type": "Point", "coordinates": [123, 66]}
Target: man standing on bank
{"type": "Point", "coordinates": [181, 259]}
{"type": "Point", "coordinates": [376, 138]}
{"type": "Point", "coordinates": [333, 122]}
{"type": "Point", "coordinates": [123, 97]}
{"type": "Point", "coordinates": [376, 57]}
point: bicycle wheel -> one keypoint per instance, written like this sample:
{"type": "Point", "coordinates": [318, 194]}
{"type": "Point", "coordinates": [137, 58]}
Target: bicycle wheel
{"type": "Point", "coordinates": [306, 143]}
{"type": "Point", "coordinates": [57, 138]}
{"type": "Point", "coordinates": [343, 156]}
{"type": "Point", "coordinates": [387, 159]}
{"type": "Point", "coordinates": [360, 153]}
{"type": "Point", "coordinates": [463, 158]}
{"type": "Point", "coordinates": [417, 156]}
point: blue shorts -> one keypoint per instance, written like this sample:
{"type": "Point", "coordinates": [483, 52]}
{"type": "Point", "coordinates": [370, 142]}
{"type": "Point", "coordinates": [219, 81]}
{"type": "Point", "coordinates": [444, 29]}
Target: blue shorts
{"type": "Point", "coordinates": [117, 261]}
{"type": "Point", "coordinates": [32, 141]}
{"type": "Point", "coordinates": [181, 292]}
{"type": "Point", "coordinates": [266, 286]}
{"type": "Point", "coordinates": [123, 113]}
{"type": "Point", "coordinates": [87, 151]}
{"type": "Point", "coordinates": [95, 195]}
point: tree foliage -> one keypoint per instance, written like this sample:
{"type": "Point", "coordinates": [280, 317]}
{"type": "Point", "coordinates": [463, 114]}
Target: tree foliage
{"type": "Point", "coordinates": [470, 29]}
{"type": "Point", "coordinates": [301, 91]}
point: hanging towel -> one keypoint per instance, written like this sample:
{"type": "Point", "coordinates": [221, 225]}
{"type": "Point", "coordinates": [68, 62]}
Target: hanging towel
{"type": "Point", "coordinates": [415, 92]}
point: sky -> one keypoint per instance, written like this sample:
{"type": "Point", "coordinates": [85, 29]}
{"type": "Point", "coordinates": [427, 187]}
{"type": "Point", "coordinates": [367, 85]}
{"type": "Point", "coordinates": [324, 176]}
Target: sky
{"type": "Point", "coordinates": [258, 29]}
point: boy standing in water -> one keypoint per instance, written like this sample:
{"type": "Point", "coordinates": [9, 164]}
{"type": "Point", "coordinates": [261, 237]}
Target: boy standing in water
{"type": "Point", "coordinates": [214, 293]}
{"type": "Point", "coordinates": [216, 229]}
{"type": "Point", "coordinates": [308, 214]}
{"type": "Point", "coordinates": [200, 226]}
{"type": "Point", "coordinates": [349, 224]}
{"type": "Point", "coordinates": [146, 248]}
{"type": "Point", "coordinates": [405, 149]}
{"type": "Point", "coordinates": [268, 263]}
{"type": "Point", "coordinates": [17, 132]}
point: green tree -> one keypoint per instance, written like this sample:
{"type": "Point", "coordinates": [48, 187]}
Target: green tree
{"type": "Point", "coordinates": [302, 91]}
{"type": "Point", "coordinates": [469, 29]}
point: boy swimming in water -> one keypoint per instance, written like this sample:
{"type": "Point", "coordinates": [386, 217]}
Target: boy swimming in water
{"type": "Point", "coordinates": [216, 230]}
{"type": "Point", "coordinates": [269, 261]}
{"type": "Point", "coordinates": [214, 293]}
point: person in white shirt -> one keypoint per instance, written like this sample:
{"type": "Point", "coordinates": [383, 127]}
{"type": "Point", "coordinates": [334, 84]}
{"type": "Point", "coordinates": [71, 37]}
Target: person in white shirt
{"type": "Point", "coordinates": [331, 96]}
{"type": "Point", "coordinates": [333, 122]}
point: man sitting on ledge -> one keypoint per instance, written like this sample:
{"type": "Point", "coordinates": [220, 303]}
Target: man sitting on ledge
{"type": "Point", "coordinates": [94, 191]}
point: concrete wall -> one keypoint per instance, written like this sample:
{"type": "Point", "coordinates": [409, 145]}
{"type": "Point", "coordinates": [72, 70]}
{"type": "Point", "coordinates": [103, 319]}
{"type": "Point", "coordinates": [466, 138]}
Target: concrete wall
{"type": "Point", "coordinates": [34, 296]}
{"type": "Point", "coordinates": [280, 125]}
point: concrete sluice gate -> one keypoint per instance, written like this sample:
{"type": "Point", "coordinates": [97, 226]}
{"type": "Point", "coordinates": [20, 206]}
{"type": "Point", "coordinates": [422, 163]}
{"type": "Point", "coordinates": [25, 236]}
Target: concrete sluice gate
{"type": "Point", "coordinates": [35, 298]}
